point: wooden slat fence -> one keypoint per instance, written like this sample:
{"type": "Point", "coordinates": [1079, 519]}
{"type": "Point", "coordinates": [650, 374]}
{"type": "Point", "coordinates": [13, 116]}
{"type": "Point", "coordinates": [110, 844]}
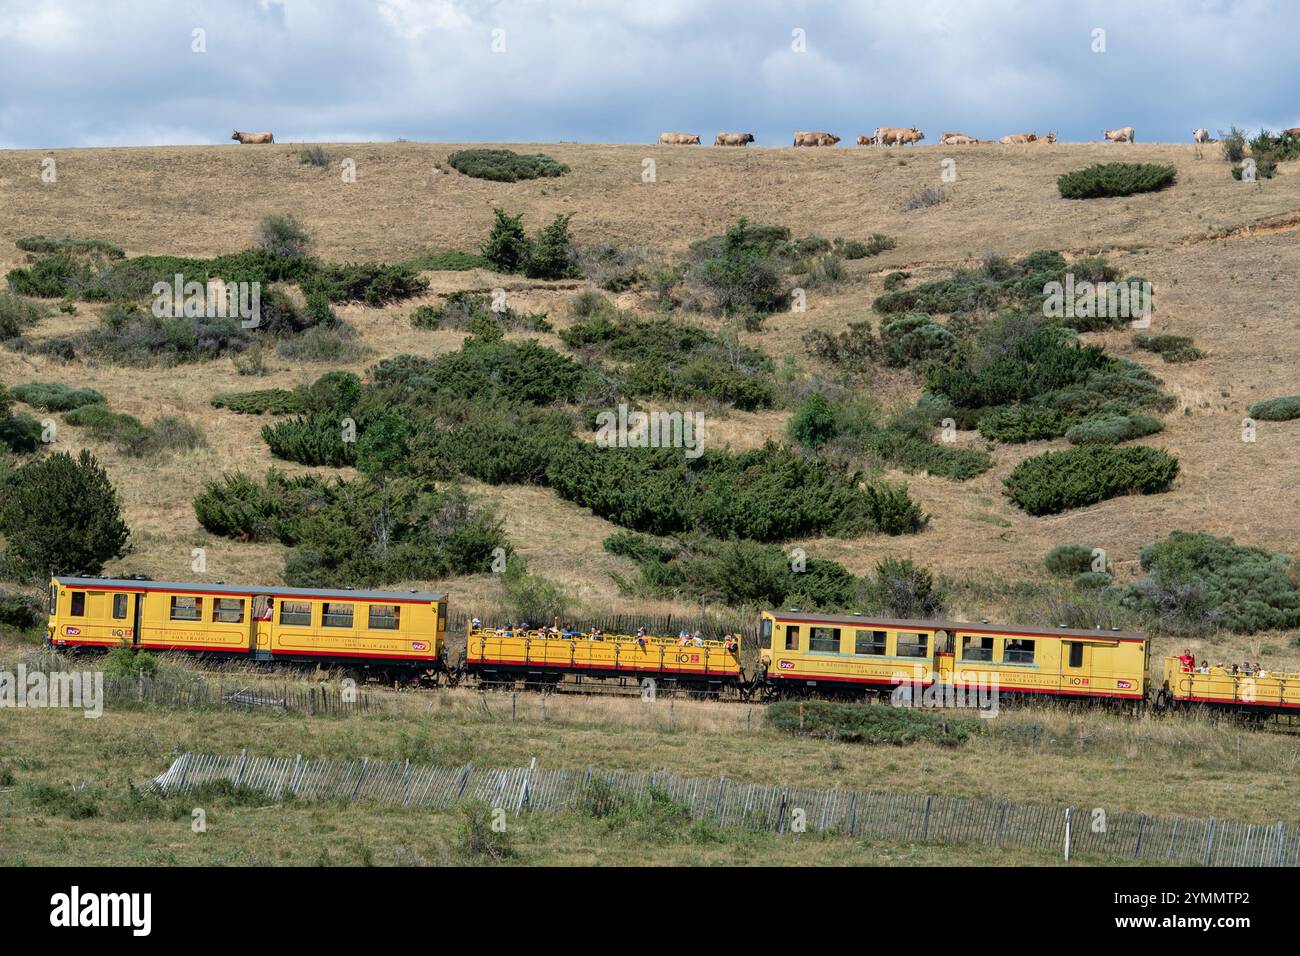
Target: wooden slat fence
{"type": "Point", "coordinates": [888, 817]}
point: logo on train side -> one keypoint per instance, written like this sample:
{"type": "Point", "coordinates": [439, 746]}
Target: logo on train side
{"type": "Point", "coordinates": [419, 646]}
{"type": "Point", "coordinates": [785, 665]}
{"type": "Point", "coordinates": [1123, 684]}
{"type": "Point", "coordinates": [72, 630]}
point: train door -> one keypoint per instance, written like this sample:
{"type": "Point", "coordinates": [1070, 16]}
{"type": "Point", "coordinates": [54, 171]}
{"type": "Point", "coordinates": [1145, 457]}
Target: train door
{"type": "Point", "coordinates": [1076, 666]}
{"type": "Point", "coordinates": [262, 620]}
{"type": "Point", "coordinates": [943, 656]}
{"type": "Point", "coordinates": [125, 610]}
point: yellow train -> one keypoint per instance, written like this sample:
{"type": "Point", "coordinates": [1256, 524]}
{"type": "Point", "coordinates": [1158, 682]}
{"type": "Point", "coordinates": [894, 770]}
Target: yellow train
{"type": "Point", "coordinates": [403, 633]}
{"type": "Point", "coordinates": [544, 656]}
{"type": "Point", "coordinates": [384, 630]}
{"type": "Point", "coordinates": [1263, 692]}
{"type": "Point", "coordinates": [852, 654]}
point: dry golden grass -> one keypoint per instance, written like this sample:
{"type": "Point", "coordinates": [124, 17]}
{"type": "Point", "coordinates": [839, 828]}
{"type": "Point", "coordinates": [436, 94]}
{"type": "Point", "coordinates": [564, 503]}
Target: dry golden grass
{"type": "Point", "coordinates": [1219, 252]}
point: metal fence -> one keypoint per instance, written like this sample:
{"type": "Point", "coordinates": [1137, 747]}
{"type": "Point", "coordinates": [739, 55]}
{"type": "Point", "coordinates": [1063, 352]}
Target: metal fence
{"type": "Point", "coordinates": [888, 817]}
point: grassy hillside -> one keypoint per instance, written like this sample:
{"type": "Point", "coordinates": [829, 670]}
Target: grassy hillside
{"type": "Point", "coordinates": [1218, 251]}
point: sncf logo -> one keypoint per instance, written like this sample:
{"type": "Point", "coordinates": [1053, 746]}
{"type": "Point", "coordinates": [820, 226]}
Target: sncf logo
{"type": "Point", "coordinates": [785, 665]}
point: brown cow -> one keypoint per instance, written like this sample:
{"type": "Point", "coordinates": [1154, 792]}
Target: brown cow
{"type": "Point", "coordinates": [1293, 131]}
{"type": "Point", "coordinates": [1015, 139]}
{"type": "Point", "coordinates": [733, 139]}
{"type": "Point", "coordinates": [1049, 139]}
{"type": "Point", "coordinates": [679, 139]}
{"type": "Point", "coordinates": [898, 135]}
{"type": "Point", "coordinates": [252, 137]}
{"type": "Point", "coordinates": [802, 138]}
{"type": "Point", "coordinates": [1122, 135]}
{"type": "Point", "coordinates": [957, 139]}
{"type": "Point", "coordinates": [866, 140]}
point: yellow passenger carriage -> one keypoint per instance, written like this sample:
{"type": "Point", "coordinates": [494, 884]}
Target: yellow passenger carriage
{"type": "Point", "coordinates": [860, 655]}
{"type": "Point", "coordinates": [370, 629]}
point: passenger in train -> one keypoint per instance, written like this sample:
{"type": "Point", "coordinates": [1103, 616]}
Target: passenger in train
{"type": "Point", "coordinates": [1187, 660]}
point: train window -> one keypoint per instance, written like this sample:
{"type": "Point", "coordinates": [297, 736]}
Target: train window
{"type": "Point", "coordinates": [977, 648]}
{"type": "Point", "coordinates": [385, 617]}
{"type": "Point", "coordinates": [336, 614]}
{"type": "Point", "coordinates": [228, 610]}
{"type": "Point", "coordinates": [119, 607]}
{"type": "Point", "coordinates": [1076, 653]}
{"type": "Point", "coordinates": [54, 596]}
{"type": "Point", "coordinates": [187, 608]}
{"type": "Point", "coordinates": [1018, 652]}
{"type": "Point", "coordinates": [791, 637]}
{"type": "Point", "coordinates": [764, 636]}
{"type": "Point", "coordinates": [78, 604]}
{"type": "Point", "coordinates": [913, 644]}
{"type": "Point", "coordinates": [869, 642]}
{"type": "Point", "coordinates": [297, 613]}
{"type": "Point", "coordinates": [824, 640]}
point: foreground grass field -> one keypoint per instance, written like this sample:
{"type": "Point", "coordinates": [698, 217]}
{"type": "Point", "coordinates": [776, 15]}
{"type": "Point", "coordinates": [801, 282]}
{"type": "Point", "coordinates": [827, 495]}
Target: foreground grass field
{"type": "Point", "coordinates": [66, 781]}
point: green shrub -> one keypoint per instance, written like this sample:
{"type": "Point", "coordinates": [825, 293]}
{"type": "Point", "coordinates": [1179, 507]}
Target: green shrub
{"type": "Point", "coordinates": [18, 314]}
{"type": "Point", "coordinates": [854, 349]}
{"type": "Point", "coordinates": [736, 573]}
{"type": "Point", "coordinates": [869, 724]}
{"type": "Point", "coordinates": [283, 236]}
{"type": "Point", "coordinates": [54, 397]}
{"type": "Point", "coordinates": [1110, 431]}
{"type": "Point", "coordinates": [1059, 480]}
{"type": "Point", "coordinates": [44, 535]}
{"type": "Point", "coordinates": [1115, 179]}
{"type": "Point", "coordinates": [275, 401]}
{"type": "Point", "coordinates": [895, 280]}
{"type": "Point", "coordinates": [319, 439]}
{"type": "Point", "coordinates": [1196, 582]}
{"type": "Point", "coordinates": [493, 442]}
{"type": "Point", "coordinates": [899, 588]}
{"type": "Point", "coordinates": [1171, 348]}
{"type": "Point", "coordinates": [21, 434]}
{"type": "Point", "coordinates": [366, 533]}
{"type": "Point", "coordinates": [467, 310]}
{"type": "Point", "coordinates": [857, 249]}
{"type": "Point", "coordinates": [95, 248]}
{"type": "Point", "coordinates": [738, 272]}
{"type": "Point", "coordinates": [916, 340]}
{"type": "Point", "coordinates": [127, 662]}
{"type": "Point", "coordinates": [1091, 581]}
{"type": "Point", "coordinates": [768, 494]}
{"type": "Point", "coordinates": [1281, 409]}
{"type": "Point", "coordinates": [1016, 424]}
{"type": "Point", "coordinates": [1234, 145]}
{"type": "Point", "coordinates": [504, 165]}
{"type": "Point", "coordinates": [668, 359]}
{"type": "Point", "coordinates": [128, 335]}
{"type": "Point", "coordinates": [20, 612]}
{"type": "Point", "coordinates": [551, 255]}
{"type": "Point", "coordinates": [1068, 560]}
{"type": "Point", "coordinates": [323, 344]}
{"type": "Point", "coordinates": [530, 597]}
{"type": "Point", "coordinates": [316, 156]}
{"type": "Point", "coordinates": [371, 283]}
{"type": "Point", "coordinates": [813, 423]}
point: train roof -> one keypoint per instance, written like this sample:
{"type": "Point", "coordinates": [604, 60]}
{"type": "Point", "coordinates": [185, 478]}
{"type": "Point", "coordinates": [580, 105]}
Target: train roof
{"type": "Point", "coordinates": [138, 584]}
{"type": "Point", "coordinates": [793, 614]}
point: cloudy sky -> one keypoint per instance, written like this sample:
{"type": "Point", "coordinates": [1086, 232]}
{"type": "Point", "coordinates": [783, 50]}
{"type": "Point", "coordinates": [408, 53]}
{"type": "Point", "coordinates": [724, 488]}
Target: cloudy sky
{"type": "Point", "coordinates": [136, 72]}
